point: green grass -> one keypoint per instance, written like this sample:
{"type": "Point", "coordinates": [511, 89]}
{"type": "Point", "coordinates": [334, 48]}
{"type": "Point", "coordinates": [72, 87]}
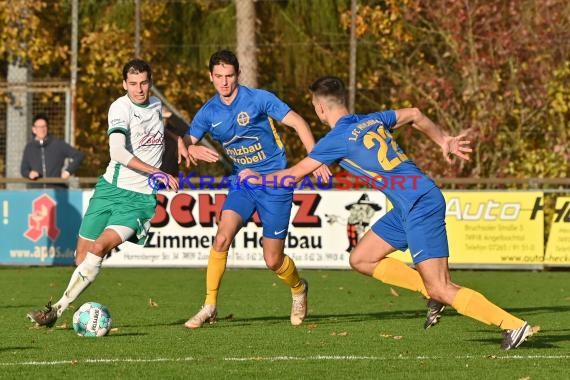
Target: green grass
{"type": "Point", "coordinates": [357, 328]}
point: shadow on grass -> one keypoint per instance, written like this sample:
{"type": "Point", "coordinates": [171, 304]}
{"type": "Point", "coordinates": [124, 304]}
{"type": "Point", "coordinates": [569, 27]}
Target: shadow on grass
{"type": "Point", "coordinates": [539, 309]}
{"type": "Point", "coordinates": [120, 334]}
{"type": "Point", "coordinates": [29, 306]}
{"type": "Point", "coordinates": [542, 339]}
{"type": "Point", "coordinates": [336, 318]}
{"type": "Point", "coordinates": [18, 348]}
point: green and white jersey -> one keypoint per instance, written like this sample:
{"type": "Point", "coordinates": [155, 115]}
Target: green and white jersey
{"type": "Point", "coordinates": [144, 131]}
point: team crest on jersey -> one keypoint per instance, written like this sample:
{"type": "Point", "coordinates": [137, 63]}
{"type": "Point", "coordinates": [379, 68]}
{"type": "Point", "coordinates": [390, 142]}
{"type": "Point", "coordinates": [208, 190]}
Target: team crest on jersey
{"type": "Point", "coordinates": [243, 118]}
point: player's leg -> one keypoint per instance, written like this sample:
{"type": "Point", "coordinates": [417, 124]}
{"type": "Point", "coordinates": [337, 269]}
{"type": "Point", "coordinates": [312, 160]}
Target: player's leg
{"type": "Point", "coordinates": [429, 249]}
{"type": "Point", "coordinates": [369, 257]}
{"type": "Point", "coordinates": [92, 225]}
{"type": "Point", "coordinates": [230, 224]}
{"type": "Point", "coordinates": [471, 303]}
{"type": "Point", "coordinates": [285, 268]}
{"type": "Point", "coordinates": [81, 249]}
{"type": "Point", "coordinates": [466, 301]}
{"type": "Point", "coordinates": [237, 208]}
{"type": "Point", "coordinates": [86, 272]}
{"type": "Point", "coordinates": [83, 275]}
{"type": "Point", "coordinates": [274, 208]}
{"type": "Point", "coordinates": [113, 216]}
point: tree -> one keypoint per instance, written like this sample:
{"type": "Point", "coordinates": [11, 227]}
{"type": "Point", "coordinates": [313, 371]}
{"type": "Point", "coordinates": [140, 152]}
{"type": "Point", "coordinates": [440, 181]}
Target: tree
{"type": "Point", "coordinates": [469, 66]}
{"type": "Point", "coordinates": [246, 48]}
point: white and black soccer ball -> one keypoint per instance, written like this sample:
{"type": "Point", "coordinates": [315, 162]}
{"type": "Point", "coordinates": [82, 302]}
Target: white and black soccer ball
{"type": "Point", "coordinates": [92, 320]}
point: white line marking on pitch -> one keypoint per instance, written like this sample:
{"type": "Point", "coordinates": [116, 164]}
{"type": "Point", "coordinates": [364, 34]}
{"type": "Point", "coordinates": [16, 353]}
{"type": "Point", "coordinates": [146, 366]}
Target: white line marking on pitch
{"type": "Point", "coordinates": [278, 358]}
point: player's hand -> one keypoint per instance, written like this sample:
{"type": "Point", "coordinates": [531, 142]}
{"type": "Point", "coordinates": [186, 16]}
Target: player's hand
{"type": "Point", "coordinates": [456, 145]}
{"type": "Point", "coordinates": [250, 176]}
{"type": "Point", "coordinates": [202, 153]}
{"type": "Point", "coordinates": [33, 174]}
{"type": "Point", "coordinates": [172, 183]}
{"type": "Point", "coordinates": [183, 152]}
{"type": "Point", "coordinates": [65, 174]}
{"type": "Point", "coordinates": [323, 174]}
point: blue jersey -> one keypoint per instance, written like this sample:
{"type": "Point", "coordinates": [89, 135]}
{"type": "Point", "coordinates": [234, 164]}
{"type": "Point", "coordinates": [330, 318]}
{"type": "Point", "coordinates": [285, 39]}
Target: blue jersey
{"type": "Point", "coordinates": [365, 147]}
{"type": "Point", "coordinates": [245, 129]}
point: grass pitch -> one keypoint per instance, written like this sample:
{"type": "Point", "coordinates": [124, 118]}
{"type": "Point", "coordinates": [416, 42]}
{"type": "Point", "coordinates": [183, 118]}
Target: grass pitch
{"type": "Point", "coordinates": [357, 328]}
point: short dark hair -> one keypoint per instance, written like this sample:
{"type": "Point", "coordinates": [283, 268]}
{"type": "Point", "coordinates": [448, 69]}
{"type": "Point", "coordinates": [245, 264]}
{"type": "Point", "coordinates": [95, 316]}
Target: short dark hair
{"type": "Point", "coordinates": [40, 116]}
{"type": "Point", "coordinates": [331, 87]}
{"type": "Point", "coordinates": [224, 56]}
{"type": "Point", "coordinates": [136, 66]}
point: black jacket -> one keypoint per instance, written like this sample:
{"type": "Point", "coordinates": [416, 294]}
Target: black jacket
{"type": "Point", "coordinates": [48, 158]}
{"type": "Point", "coordinates": [170, 157]}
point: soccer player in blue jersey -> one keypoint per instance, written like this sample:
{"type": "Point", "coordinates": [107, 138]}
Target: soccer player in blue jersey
{"type": "Point", "coordinates": [364, 146]}
{"type": "Point", "coordinates": [241, 119]}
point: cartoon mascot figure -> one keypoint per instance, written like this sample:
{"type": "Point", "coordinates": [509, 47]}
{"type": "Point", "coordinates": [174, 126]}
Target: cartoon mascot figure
{"type": "Point", "coordinates": [359, 219]}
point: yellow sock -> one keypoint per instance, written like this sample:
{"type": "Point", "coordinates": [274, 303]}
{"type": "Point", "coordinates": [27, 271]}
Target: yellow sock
{"type": "Point", "coordinates": [288, 273]}
{"type": "Point", "coordinates": [395, 272]}
{"type": "Point", "coordinates": [473, 304]}
{"type": "Point", "coordinates": [214, 273]}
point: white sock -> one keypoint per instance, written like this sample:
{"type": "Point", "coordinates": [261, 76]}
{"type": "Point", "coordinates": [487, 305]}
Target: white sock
{"type": "Point", "coordinates": [81, 278]}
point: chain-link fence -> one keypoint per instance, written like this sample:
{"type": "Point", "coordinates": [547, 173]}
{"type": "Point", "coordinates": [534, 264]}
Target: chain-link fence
{"type": "Point", "coordinates": [20, 102]}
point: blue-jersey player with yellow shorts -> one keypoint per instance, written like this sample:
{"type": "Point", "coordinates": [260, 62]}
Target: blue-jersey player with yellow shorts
{"type": "Point", "coordinates": [363, 145]}
{"type": "Point", "coordinates": [241, 119]}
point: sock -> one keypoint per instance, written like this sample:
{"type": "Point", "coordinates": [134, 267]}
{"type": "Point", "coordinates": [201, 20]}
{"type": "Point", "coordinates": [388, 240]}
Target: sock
{"type": "Point", "coordinates": [473, 304]}
{"type": "Point", "coordinates": [82, 277]}
{"type": "Point", "coordinates": [395, 272]}
{"type": "Point", "coordinates": [214, 273]}
{"type": "Point", "coordinates": [288, 273]}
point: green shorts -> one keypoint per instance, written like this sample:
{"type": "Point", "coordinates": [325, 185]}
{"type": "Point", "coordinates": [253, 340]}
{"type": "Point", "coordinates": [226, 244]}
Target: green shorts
{"type": "Point", "coordinates": [112, 206]}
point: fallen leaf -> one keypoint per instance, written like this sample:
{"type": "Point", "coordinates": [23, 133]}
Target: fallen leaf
{"type": "Point", "coordinates": [394, 293]}
{"type": "Point", "coordinates": [151, 303]}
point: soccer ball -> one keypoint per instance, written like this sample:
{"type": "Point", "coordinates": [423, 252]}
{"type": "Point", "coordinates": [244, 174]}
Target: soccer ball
{"type": "Point", "coordinates": [92, 319]}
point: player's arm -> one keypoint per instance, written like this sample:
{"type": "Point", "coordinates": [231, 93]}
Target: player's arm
{"type": "Point", "coordinates": [282, 178]}
{"type": "Point", "coordinates": [456, 145]}
{"type": "Point", "coordinates": [295, 121]}
{"type": "Point", "coordinates": [119, 153]}
{"type": "Point", "coordinates": [199, 152]}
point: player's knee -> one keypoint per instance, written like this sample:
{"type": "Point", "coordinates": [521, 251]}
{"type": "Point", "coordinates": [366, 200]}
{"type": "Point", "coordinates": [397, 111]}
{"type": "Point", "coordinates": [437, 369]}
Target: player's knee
{"type": "Point", "coordinates": [355, 262]}
{"type": "Point", "coordinates": [273, 262]}
{"type": "Point", "coordinates": [98, 249]}
{"type": "Point", "coordinates": [222, 242]}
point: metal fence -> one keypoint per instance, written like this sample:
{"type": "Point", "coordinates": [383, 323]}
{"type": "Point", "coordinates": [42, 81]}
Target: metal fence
{"type": "Point", "coordinates": [20, 102]}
